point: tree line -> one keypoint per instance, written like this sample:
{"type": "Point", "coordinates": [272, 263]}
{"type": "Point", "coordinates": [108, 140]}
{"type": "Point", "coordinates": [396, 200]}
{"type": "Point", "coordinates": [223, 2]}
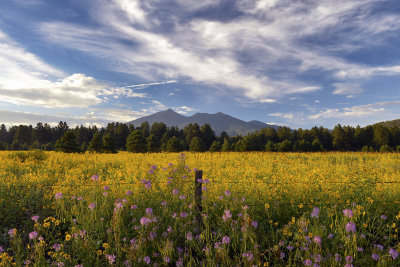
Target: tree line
{"type": "Point", "coordinates": [159, 138]}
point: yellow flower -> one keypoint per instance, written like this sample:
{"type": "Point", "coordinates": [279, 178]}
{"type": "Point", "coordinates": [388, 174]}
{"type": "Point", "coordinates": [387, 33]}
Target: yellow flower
{"type": "Point", "coordinates": [394, 225]}
{"type": "Point", "coordinates": [46, 224]}
{"type": "Point", "coordinates": [266, 206]}
{"type": "Point", "coordinates": [105, 245]}
{"type": "Point", "coordinates": [301, 206]}
{"type": "Point", "coordinates": [68, 237]}
{"type": "Point", "coordinates": [365, 225]}
{"type": "Point", "coordinates": [99, 252]}
{"type": "Point", "coordinates": [57, 222]}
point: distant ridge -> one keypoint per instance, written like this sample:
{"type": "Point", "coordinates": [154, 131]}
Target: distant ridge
{"type": "Point", "coordinates": [219, 122]}
{"type": "Point", "coordinates": [392, 123]}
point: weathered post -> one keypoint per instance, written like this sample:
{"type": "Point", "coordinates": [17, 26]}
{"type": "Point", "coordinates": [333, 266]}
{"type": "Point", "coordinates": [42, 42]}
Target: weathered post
{"type": "Point", "coordinates": [198, 179]}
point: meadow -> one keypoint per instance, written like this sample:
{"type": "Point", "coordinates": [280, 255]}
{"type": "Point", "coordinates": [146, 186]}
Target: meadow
{"type": "Point", "coordinates": [259, 209]}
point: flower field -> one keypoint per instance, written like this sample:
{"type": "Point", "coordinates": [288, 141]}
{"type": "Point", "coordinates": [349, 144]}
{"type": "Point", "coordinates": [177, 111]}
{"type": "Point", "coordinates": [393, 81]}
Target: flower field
{"type": "Point", "coordinates": [259, 209]}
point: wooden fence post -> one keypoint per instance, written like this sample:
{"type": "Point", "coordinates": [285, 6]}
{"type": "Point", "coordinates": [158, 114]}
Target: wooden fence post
{"type": "Point", "coordinates": [198, 197]}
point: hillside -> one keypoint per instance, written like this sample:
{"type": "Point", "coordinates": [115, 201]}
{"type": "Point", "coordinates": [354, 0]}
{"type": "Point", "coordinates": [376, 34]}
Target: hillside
{"type": "Point", "coordinates": [219, 122]}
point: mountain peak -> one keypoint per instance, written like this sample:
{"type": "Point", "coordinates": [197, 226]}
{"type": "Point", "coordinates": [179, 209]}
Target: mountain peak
{"type": "Point", "coordinates": [219, 122]}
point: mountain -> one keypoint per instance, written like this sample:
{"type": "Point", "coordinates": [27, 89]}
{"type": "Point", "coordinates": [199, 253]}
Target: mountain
{"type": "Point", "coordinates": [219, 122]}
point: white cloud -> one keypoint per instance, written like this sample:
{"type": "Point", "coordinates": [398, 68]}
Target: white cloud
{"type": "Point", "coordinates": [273, 35]}
{"type": "Point", "coordinates": [347, 89]}
{"type": "Point", "coordinates": [144, 85]}
{"type": "Point", "coordinates": [267, 100]}
{"type": "Point", "coordinates": [375, 109]}
{"type": "Point", "coordinates": [183, 110]}
{"type": "Point", "coordinates": [282, 115]}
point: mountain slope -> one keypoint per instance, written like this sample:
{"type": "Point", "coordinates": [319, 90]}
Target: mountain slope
{"type": "Point", "coordinates": [219, 122]}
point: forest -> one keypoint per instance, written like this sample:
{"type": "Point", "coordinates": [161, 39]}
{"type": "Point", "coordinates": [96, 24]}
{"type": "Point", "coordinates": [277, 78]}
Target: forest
{"type": "Point", "coordinates": [382, 137]}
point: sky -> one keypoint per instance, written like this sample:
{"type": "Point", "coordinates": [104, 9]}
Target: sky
{"type": "Point", "coordinates": [298, 63]}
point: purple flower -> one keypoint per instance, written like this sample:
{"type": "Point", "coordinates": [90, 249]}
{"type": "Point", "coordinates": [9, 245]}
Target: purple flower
{"type": "Point", "coordinates": [360, 249]}
{"type": "Point", "coordinates": [183, 214]}
{"type": "Point", "coordinates": [315, 212]}
{"type": "Point", "coordinates": [56, 247]}
{"type": "Point", "coordinates": [393, 253]}
{"type": "Point", "coordinates": [35, 218]}
{"type": "Point", "coordinates": [351, 227]}
{"type": "Point", "coordinates": [383, 217]}
{"type": "Point", "coordinates": [152, 235]}
{"type": "Point", "coordinates": [225, 240]}
{"type": "Point", "coordinates": [144, 221]}
{"type": "Point", "coordinates": [175, 191]}
{"type": "Point", "coordinates": [110, 258]}
{"type": "Point", "coordinates": [12, 232]}
{"type": "Point", "coordinates": [33, 235]}
{"type": "Point", "coordinates": [1, 249]}
{"type": "Point", "coordinates": [254, 224]}
{"type": "Point", "coordinates": [119, 205]}
{"type": "Point", "coordinates": [282, 255]}
{"type": "Point", "coordinates": [147, 260]}
{"type": "Point", "coordinates": [147, 183]}
{"type": "Point", "coordinates": [95, 178]}
{"type": "Point", "coordinates": [290, 248]}
{"type": "Point", "coordinates": [105, 188]}
{"type": "Point", "coordinates": [129, 192]}
{"type": "Point", "coordinates": [378, 246]}
{"type": "Point", "coordinates": [133, 207]}
{"type": "Point", "coordinates": [181, 197]}
{"type": "Point", "coordinates": [349, 259]}
{"type": "Point", "coordinates": [92, 206]}
{"type": "Point", "coordinates": [348, 213]}
{"type": "Point", "coordinates": [317, 240]}
{"type": "Point", "coordinates": [307, 262]}
{"type": "Point", "coordinates": [189, 236]}
{"type": "Point", "coordinates": [227, 215]}
{"type": "Point", "coordinates": [227, 193]}
{"type": "Point", "coordinates": [58, 195]}
{"type": "Point", "coordinates": [337, 258]}
{"type": "Point", "coordinates": [166, 259]}
{"type": "Point", "coordinates": [149, 211]}
{"type": "Point", "coordinates": [375, 256]}
{"type": "Point", "coordinates": [179, 263]}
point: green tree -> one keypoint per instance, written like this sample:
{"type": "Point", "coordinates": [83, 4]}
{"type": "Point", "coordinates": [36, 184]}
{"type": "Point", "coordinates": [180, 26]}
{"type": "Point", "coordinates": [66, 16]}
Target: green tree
{"type": "Point", "coordinates": [285, 146]}
{"type": "Point", "coordinates": [270, 146]}
{"type": "Point", "coordinates": [215, 146]}
{"type": "Point", "coordinates": [208, 135]}
{"type": "Point", "coordinates": [338, 138]}
{"type": "Point", "coordinates": [225, 146]}
{"type": "Point", "coordinates": [68, 143]}
{"type": "Point", "coordinates": [173, 145]}
{"type": "Point", "coordinates": [153, 145]}
{"type": "Point", "coordinates": [241, 145]}
{"type": "Point", "coordinates": [385, 148]}
{"type": "Point", "coordinates": [197, 145]}
{"type": "Point", "coordinates": [96, 145]}
{"type": "Point", "coordinates": [108, 143]}
{"type": "Point", "coordinates": [136, 142]}
{"type": "Point", "coordinates": [317, 145]}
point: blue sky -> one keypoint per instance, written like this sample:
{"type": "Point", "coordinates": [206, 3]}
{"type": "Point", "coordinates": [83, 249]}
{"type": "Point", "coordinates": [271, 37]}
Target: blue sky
{"type": "Point", "coordinates": [298, 63]}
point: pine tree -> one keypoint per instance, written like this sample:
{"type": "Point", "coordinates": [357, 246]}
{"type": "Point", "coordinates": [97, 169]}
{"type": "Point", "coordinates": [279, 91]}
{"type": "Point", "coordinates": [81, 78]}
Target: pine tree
{"type": "Point", "coordinates": [136, 142]}
{"type": "Point", "coordinates": [96, 145]}
{"type": "Point", "coordinates": [68, 143]}
{"type": "Point", "coordinates": [108, 143]}
{"type": "Point", "coordinates": [197, 145]}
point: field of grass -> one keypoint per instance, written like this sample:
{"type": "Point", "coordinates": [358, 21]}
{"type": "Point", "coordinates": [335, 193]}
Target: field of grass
{"type": "Point", "coordinates": [259, 209]}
